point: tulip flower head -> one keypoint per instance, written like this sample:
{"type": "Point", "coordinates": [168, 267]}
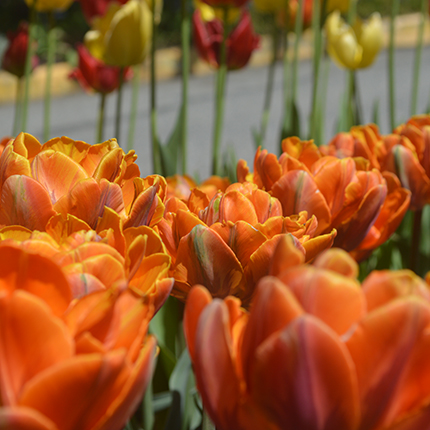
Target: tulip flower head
{"type": "Point", "coordinates": [68, 364]}
{"type": "Point", "coordinates": [92, 74]}
{"type": "Point", "coordinates": [121, 37]}
{"type": "Point", "coordinates": [241, 42]}
{"type": "Point", "coordinates": [354, 47]}
{"type": "Point", "coordinates": [16, 52]}
{"type": "Point", "coordinates": [316, 351]}
{"type": "Point", "coordinates": [70, 177]}
{"type": "Point", "coordinates": [49, 5]}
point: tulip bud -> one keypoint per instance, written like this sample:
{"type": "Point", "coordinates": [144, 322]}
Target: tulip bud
{"type": "Point", "coordinates": [49, 5]}
{"type": "Point", "coordinates": [120, 38]}
{"type": "Point", "coordinates": [354, 47]}
{"type": "Point", "coordinates": [92, 74]}
{"type": "Point", "coordinates": [16, 53]}
{"type": "Point", "coordinates": [240, 43]}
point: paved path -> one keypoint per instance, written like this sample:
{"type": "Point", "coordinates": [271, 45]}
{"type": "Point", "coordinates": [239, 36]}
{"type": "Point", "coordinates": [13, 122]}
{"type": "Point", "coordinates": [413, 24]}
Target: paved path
{"type": "Point", "coordinates": [75, 115]}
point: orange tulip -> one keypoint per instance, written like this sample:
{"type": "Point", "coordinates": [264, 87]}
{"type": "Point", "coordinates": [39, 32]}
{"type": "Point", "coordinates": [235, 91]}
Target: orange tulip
{"type": "Point", "coordinates": [404, 153]}
{"type": "Point", "coordinates": [316, 351]}
{"type": "Point", "coordinates": [68, 365]}
{"type": "Point", "coordinates": [181, 186]}
{"type": "Point", "coordinates": [71, 177]}
{"type": "Point", "coordinates": [229, 243]}
{"type": "Point", "coordinates": [342, 193]}
{"type": "Point", "coordinates": [109, 258]}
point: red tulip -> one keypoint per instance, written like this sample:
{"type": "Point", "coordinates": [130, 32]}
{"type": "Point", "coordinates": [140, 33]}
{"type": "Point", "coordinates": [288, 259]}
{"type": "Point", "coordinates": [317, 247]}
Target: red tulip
{"type": "Point", "coordinates": [240, 43]}
{"type": "Point", "coordinates": [15, 55]}
{"type": "Point", "coordinates": [92, 74]}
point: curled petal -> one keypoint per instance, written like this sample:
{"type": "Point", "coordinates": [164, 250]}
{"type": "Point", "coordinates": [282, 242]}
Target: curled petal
{"type": "Point", "coordinates": [204, 258]}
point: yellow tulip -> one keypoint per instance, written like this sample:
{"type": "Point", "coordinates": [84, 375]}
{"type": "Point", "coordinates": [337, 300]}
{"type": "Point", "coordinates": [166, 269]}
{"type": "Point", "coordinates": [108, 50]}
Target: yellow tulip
{"type": "Point", "coordinates": [49, 5]}
{"type": "Point", "coordinates": [354, 47]}
{"type": "Point", "coordinates": [121, 37]}
{"type": "Point", "coordinates": [209, 13]}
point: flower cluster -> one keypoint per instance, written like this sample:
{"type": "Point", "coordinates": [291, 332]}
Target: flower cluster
{"type": "Point", "coordinates": [82, 273]}
{"type": "Point", "coordinates": [362, 203]}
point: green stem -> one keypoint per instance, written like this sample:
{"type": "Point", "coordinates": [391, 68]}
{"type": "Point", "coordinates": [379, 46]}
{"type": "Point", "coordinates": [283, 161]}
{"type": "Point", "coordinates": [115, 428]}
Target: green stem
{"type": "Point", "coordinates": [352, 12]}
{"type": "Point", "coordinates": [18, 105]}
{"type": "Point", "coordinates": [207, 423]}
{"type": "Point", "coordinates": [134, 103]}
{"type": "Point", "coordinates": [100, 124]}
{"type": "Point", "coordinates": [269, 85]}
{"type": "Point", "coordinates": [156, 155]}
{"type": "Point", "coordinates": [418, 55]}
{"type": "Point", "coordinates": [350, 99]}
{"type": "Point", "coordinates": [185, 44]}
{"type": "Point", "coordinates": [49, 64]}
{"type": "Point", "coordinates": [119, 106]}
{"type": "Point", "coordinates": [391, 81]}
{"type": "Point", "coordinates": [415, 243]}
{"type": "Point", "coordinates": [298, 31]}
{"type": "Point", "coordinates": [317, 32]}
{"type": "Point", "coordinates": [28, 67]}
{"type": "Point", "coordinates": [220, 96]}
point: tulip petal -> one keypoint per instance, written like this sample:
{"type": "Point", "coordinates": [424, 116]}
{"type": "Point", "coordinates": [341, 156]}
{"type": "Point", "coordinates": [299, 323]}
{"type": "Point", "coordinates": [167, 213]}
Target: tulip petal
{"type": "Point", "coordinates": [35, 274]}
{"type": "Point", "coordinates": [216, 376]}
{"type": "Point", "coordinates": [26, 323]}
{"type": "Point", "coordinates": [314, 385]}
{"type": "Point", "coordinates": [198, 298]}
{"type": "Point", "coordinates": [297, 191]}
{"type": "Point", "coordinates": [126, 402]}
{"type": "Point", "coordinates": [386, 348]}
{"type": "Point", "coordinates": [335, 299]}
{"type": "Point", "coordinates": [25, 202]}
{"type": "Point", "coordinates": [272, 298]}
{"type": "Point", "coordinates": [57, 172]}
{"type": "Point", "coordinates": [384, 286]}
{"type": "Point", "coordinates": [204, 258]}
{"type": "Point", "coordinates": [77, 391]}
{"type": "Point", "coordinates": [21, 418]}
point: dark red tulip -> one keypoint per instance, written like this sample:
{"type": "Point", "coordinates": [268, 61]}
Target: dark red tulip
{"type": "Point", "coordinates": [16, 52]}
{"type": "Point", "coordinates": [94, 74]}
{"type": "Point", "coordinates": [240, 43]}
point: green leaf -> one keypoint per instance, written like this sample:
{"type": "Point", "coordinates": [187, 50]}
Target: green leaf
{"type": "Point", "coordinates": [165, 326]}
{"type": "Point", "coordinates": [182, 386]}
{"type": "Point", "coordinates": [162, 401]}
